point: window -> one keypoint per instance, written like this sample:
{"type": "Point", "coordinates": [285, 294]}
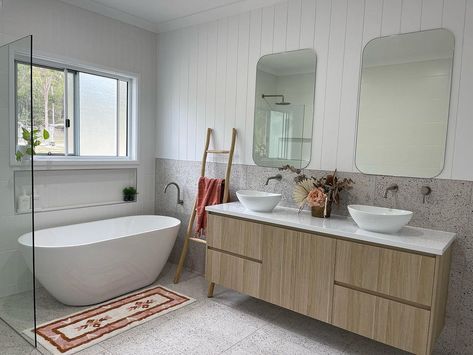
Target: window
{"type": "Point", "coordinates": [87, 114]}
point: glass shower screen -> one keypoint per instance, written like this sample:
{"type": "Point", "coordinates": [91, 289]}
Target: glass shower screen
{"type": "Point", "coordinates": [17, 288]}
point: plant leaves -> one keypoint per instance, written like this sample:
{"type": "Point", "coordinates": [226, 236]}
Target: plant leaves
{"type": "Point", "coordinates": [45, 134]}
{"type": "Point", "coordinates": [26, 134]}
{"type": "Point", "coordinates": [18, 155]}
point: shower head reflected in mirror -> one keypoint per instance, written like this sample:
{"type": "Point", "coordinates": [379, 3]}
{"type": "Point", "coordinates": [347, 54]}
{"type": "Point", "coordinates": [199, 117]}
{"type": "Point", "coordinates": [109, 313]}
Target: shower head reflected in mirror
{"type": "Point", "coordinates": [280, 103]}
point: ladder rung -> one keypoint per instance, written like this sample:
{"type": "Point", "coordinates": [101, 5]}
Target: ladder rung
{"type": "Point", "coordinates": [198, 240]}
{"type": "Point", "coordinates": [218, 151]}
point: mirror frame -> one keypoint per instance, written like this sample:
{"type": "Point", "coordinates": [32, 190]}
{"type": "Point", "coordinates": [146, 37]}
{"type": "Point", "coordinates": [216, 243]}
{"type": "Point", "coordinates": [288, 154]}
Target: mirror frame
{"type": "Point", "coordinates": [359, 103]}
{"type": "Point", "coordinates": [313, 105]}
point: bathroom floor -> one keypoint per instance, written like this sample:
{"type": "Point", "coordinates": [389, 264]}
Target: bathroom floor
{"type": "Point", "coordinates": [229, 323]}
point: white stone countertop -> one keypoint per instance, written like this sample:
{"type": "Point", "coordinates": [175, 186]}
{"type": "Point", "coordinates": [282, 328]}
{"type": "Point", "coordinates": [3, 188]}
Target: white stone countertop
{"type": "Point", "coordinates": [409, 238]}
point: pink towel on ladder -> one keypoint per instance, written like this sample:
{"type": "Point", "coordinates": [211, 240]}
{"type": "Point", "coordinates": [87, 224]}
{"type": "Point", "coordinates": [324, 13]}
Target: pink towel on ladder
{"type": "Point", "coordinates": [210, 192]}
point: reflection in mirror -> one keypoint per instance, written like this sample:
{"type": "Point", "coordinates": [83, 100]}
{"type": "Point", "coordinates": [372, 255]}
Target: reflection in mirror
{"type": "Point", "coordinates": [284, 109]}
{"type": "Point", "coordinates": [404, 104]}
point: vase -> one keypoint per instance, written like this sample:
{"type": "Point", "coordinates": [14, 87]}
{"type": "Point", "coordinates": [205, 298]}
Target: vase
{"type": "Point", "coordinates": [318, 211]}
{"type": "Point", "coordinates": [328, 208]}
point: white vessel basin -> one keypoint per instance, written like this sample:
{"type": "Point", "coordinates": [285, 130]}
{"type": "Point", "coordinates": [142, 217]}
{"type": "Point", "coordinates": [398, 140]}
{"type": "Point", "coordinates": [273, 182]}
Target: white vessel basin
{"type": "Point", "coordinates": [379, 219]}
{"type": "Point", "coordinates": [258, 201]}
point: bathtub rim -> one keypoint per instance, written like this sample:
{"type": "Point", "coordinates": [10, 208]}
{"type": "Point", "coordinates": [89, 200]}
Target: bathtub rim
{"type": "Point", "coordinates": [28, 243]}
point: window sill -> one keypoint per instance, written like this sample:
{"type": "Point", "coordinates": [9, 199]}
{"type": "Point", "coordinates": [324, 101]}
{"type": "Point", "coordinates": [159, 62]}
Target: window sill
{"type": "Point", "coordinates": [41, 163]}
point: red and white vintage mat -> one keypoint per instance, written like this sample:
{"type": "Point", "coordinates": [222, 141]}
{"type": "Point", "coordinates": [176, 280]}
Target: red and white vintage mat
{"type": "Point", "coordinates": [80, 330]}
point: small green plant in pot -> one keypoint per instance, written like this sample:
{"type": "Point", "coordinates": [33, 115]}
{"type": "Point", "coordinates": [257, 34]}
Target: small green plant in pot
{"type": "Point", "coordinates": [129, 194]}
{"type": "Point", "coordinates": [33, 139]}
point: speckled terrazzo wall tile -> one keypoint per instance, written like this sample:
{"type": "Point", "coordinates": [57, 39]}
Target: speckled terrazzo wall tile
{"type": "Point", "coordinates": [449, 207]}
{"type": "Point", "coordinates": [361, 193]}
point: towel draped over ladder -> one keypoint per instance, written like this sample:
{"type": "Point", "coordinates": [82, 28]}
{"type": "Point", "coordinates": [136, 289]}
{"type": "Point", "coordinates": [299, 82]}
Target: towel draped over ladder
{"type": "Point", "coordinates": [209, 192]}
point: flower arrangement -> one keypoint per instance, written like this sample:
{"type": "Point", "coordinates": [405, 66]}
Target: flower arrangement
{"type": "Point", "coordinates": [316, 197]}
{"type": "Point", "coordinates": [319, 193]}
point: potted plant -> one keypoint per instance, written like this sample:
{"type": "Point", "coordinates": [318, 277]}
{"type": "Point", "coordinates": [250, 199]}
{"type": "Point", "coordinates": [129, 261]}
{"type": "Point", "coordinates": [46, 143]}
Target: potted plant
{"type": "Point", "coordinates": [33, 139]}
{"type": "Point", "coordinates": [129, 194]}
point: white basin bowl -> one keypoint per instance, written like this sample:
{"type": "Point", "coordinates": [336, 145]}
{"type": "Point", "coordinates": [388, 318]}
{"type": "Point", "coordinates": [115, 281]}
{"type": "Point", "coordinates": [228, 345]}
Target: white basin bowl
{"type": "Point", "coordinates": [379, 219]}
{"type": "Point", "coordinates": [258, 201]}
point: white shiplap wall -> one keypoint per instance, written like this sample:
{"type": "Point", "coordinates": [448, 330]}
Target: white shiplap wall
{"type": "Point", "coordinates": [206, 74]}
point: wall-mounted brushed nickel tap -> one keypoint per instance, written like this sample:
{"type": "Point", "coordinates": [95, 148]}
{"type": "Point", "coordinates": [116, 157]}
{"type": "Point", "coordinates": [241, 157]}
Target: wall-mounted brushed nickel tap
{"type": "Point", "coordinates": [277, 177]}
{"type": "Point", "coordinates": [425, 191]}
{"type": "Point", "coordinates": [394, 188]}
{"type": "Point", "coordinates": [179, 201]}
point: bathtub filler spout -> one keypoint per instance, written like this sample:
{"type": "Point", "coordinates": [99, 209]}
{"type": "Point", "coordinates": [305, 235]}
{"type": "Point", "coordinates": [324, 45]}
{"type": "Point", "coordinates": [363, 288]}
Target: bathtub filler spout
{"type": "Point", "coordinates": [179, 201]}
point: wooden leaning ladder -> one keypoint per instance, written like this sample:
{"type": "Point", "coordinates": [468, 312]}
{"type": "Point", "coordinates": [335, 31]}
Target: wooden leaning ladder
{"type": "Point", "coordinates": [190, 233]}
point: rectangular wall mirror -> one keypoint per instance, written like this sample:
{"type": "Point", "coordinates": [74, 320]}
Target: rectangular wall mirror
{"type": "Point", "coordinates": [284, 109]}
{"type": "Point", "coordinates": [404, 104]}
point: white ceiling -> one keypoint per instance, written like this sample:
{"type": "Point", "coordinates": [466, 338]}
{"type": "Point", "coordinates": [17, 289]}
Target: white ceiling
{"type": "Point", "coordinates": [166, 15]}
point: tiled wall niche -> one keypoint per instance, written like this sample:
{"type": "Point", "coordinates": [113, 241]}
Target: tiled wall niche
{"type": "Point", "coordinates": [448, 208]}
{"type": "Point", "coordinates": [83, 188]}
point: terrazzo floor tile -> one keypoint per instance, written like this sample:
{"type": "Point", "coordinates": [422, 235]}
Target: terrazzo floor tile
{"type": "Point", "coordinates": [363, 346]}
{"type": "Point", "coordinates": [137, 341]}
{"type": "Point", "coordinates": [208, 328]}
{"type": "Point", "coordinates": [246, 304]}
{"type": "Point", "coordinates": [315, 336]}
{"type": "Point", "coordinates": [264, 343]}
{"type": "Point", "coordinates": [12, 343]}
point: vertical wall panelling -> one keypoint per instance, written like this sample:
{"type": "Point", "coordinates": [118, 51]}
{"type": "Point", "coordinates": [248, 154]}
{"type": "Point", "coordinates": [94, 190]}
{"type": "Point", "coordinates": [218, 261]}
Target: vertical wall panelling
{"type": "Point", "coordinates": [336, 58]}
{"type": "Point", "coordinates": [351, 79]}
{"type": "Point", "coordinates": [293, 34]}
{"type": "Point", "coordinates": [253, 57]}
{"type": "Point", "coordinates": [267, 30]}
{"type": "Point", "coordinates": [174, 138]}
{"type": "Point", "coordinates": [220, 97]}
{"type": "Point", "coordinates": [391, 20]}
{"type": "Point", "coordinates": [192, 96]}
{"type": "Point", "coordinates": [307, 24]}
{"type": "Point", "coordinates": [241, 88]}
{"type": "Point", "coordinates": [453, 18]}
{"type": "Point", "coordinates": [280, 27]}
{"type": "Point", "coordinates": [210, 85]}
{"type": "Point", "coordinates": [411, 15]}
{"type": "Point", "coordinates": [168, 93]}
{"type": "Point", "coordinates": [215, 87]}
{"type": "Point", "coordinates": [184, 59]}
{"type": "Point", "coordinates": [202, 66]}
{"type": "Point", "coordinates": [373, 18]}
{"type": "Point", "coordinates": [231, 82]}
{"type": "Point", "coordinates": [464, 126]}
{"type": "Point", "coordinates": [321, 44]}
{"type": "Point", "coordinates": [431, 16]}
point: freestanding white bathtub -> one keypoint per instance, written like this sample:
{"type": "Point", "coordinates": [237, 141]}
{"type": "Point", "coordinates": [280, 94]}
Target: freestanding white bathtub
{"type": "Point", "coordinates": [88, 263]}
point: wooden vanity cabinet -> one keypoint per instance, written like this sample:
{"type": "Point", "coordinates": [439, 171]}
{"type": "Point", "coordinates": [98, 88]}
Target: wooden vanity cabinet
{"type": "Point", "coordinates": [297, 271]}
{"type": "Point", "coordinates": [393, 296]}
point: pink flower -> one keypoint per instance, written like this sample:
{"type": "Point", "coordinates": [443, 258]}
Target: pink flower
{"type": "Point", "coordinates": [316, 197]}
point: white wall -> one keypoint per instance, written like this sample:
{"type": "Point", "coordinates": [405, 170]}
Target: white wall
{"type": "Point", "coordinates": [63, 31]}
{"type": "Point", "coordinates": [206, 74]}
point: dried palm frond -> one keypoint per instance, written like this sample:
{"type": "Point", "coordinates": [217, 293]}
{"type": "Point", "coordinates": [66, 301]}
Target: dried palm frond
{"type": "Point", "coordinates": [301, 190]}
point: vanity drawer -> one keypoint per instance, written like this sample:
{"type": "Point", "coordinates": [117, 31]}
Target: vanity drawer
{"type": "Point", "coordinates": [235, 236]}
{"type": "Point", "coordinates": [403, 275]}
{"type": "Point", "coordinates": [390, 322]}
{"type": "Point", "coordinates": [239, 274]}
